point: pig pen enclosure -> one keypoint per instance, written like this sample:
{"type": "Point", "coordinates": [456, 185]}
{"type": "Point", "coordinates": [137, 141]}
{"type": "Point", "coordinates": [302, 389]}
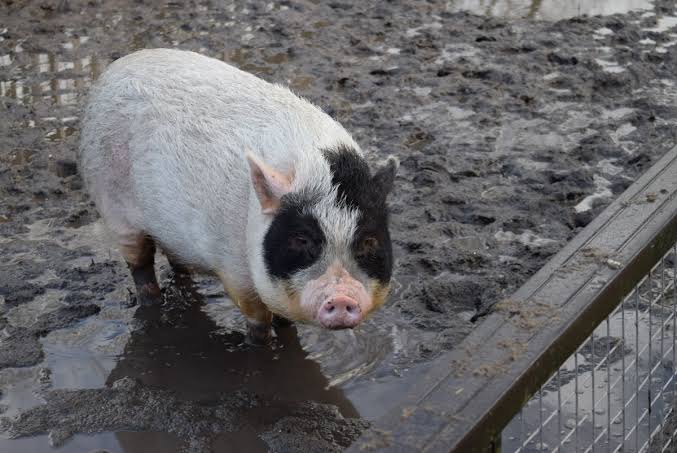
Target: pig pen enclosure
{"type": "Point", "coordinates": [514, 133]}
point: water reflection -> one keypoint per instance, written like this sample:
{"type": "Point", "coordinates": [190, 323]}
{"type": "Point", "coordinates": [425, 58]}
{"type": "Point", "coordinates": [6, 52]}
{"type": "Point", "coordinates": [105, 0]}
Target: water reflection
{"type": "Point", "coordinates": [181, 349]}
{"type": "Point", "coordinates": [57, 81]}
{"type": "Point", "coordinates": [547, 9]}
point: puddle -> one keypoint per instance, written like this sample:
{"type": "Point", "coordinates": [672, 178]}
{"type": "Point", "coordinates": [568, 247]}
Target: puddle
{"type": "Point", "coordinates": [548, 9]}
{"type": "Point", "coordinates": [217, 362]}
{"type": "Point", "coordinates": [301, 82]}
{"type": "Point", "coordinates": [184, 350]}
{"type": "Point", "coordinates": [663, 24]}
{"type": "Point", "coordinates": [602, 192]}
{"type": "Point", "coordinates": [609, 66]}
{"type": "Point", "coordinates": [278, 58]}
{"type": "Point", "coordinates": [108, 442]}
{"type": "Point", "coordinates": [83, 356]}
{"type": "Point", "coordinates": [527, 238]}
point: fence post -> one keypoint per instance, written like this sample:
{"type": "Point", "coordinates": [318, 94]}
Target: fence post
{"type": "Point", "coordinates": [495, 444]}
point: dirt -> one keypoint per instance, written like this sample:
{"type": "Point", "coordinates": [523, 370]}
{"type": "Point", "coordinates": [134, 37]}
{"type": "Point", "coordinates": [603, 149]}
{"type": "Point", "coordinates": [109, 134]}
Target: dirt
{"type": "Point", "coordinates": [128, 406]}
{"type": "Point", "coordinates": [513, 134]}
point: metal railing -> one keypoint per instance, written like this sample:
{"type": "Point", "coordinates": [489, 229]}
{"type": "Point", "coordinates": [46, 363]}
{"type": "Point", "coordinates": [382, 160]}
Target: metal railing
{"type": "Point", "coordinates": [580, 358]}
{"type": "Point", "coordinates": [618, 391]}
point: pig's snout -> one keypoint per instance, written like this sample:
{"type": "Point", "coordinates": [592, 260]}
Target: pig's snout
{"type": "Point", "coordinates": [340, 312]}
{"type": "Point", "coordinates": [335, 300]}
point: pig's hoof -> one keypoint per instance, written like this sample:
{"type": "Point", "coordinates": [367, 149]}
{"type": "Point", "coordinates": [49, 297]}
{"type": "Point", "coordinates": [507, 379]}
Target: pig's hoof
{"type": "Point", "coordinates": [279, 321]}
{"type": "Point", "coordinates": [148, 295]}
{"type": "Point", "coordinates": [258, 335]}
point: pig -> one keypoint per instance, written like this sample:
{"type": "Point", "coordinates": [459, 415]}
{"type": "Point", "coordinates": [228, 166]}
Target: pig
{"type": "Point", "coordinates": [231, 175]}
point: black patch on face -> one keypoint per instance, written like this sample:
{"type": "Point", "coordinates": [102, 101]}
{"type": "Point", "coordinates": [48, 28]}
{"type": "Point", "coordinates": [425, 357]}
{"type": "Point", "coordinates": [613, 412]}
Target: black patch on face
{"type": "Point", "coordinates": [358, 189]}
{"type": "Point", "coordinates": [294, 240]}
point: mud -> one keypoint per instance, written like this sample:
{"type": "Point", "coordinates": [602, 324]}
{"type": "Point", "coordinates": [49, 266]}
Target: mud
{"type": "Point", "coordinates": [128, 406]}
{"type": "Point", "coordinates": [513, 134]}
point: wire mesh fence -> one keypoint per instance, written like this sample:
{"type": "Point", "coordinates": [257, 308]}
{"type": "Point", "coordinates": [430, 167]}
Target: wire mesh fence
{"type": "Point", "coordinates": [618, 391]}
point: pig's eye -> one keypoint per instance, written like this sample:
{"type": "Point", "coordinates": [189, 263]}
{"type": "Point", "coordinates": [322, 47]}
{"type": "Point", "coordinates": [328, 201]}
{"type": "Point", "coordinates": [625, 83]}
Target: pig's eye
{"type": "Point", "coordinates": [368, 246]}
{"type": "Point", "coordinates": [299, 243]}
{"type": "Point", "coordinates": [303, 248]}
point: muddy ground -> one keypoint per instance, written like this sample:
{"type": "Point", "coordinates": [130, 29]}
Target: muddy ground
{"type": "Point", "coordinates": [512, 134]}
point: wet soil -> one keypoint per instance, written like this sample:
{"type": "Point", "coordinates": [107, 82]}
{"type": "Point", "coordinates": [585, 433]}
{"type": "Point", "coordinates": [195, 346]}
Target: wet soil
{"type": "Point", "coordinates": [548, 9]}
{"type": "Point", "coordinates": [512, 135]}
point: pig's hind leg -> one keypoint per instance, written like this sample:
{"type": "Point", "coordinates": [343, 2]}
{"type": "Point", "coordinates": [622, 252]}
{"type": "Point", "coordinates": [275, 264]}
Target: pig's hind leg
{"type": "Point", "coordinates": [138, 251]}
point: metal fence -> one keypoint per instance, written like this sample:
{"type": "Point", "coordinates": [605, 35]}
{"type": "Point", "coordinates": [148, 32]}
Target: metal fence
{"type": "Point", "coordinates": [618, 391]}
{"type": "Point", "coordinates": [580, 359]}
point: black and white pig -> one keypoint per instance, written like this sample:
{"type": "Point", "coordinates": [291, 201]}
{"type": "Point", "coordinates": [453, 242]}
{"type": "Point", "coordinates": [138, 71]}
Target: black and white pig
{"type": "Point", "coordinates": [233, 175]}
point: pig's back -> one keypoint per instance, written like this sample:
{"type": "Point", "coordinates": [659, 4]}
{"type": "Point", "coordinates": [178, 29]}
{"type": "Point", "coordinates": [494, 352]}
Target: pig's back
{"type": "Point", "coordinates": [163, 143]}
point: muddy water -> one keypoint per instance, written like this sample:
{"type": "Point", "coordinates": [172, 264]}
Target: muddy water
{"type": "Point", "coordinates": [512, 135]}
{"type": "Point", "coordinates": [548, 9]}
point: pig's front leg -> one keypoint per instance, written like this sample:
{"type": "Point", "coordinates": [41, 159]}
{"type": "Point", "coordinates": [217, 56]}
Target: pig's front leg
{"type": "Point", "coordinates": [179, 269]}
{"type": "Point", "coordinates": [259, 320]}
{"type": "Point", "coordinates": [279, 321]}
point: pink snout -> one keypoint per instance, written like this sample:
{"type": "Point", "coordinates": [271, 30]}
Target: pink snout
{"type": "Point", "coordinates": [340, 312]}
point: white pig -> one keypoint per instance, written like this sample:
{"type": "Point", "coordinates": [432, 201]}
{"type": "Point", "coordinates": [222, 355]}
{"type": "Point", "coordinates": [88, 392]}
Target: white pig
{"type": "Point", "coordinates": [232, 175]}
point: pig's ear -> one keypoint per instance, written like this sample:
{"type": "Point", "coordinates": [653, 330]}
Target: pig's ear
{"type": "Point", "coordinates": [270, 185]}
{"type": "Point", "coordinates": [385, 175]}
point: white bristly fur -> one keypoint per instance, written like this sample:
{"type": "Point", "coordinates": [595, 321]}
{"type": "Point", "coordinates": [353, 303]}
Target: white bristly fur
{"type": "Point", "coordinates": [164, 137]}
